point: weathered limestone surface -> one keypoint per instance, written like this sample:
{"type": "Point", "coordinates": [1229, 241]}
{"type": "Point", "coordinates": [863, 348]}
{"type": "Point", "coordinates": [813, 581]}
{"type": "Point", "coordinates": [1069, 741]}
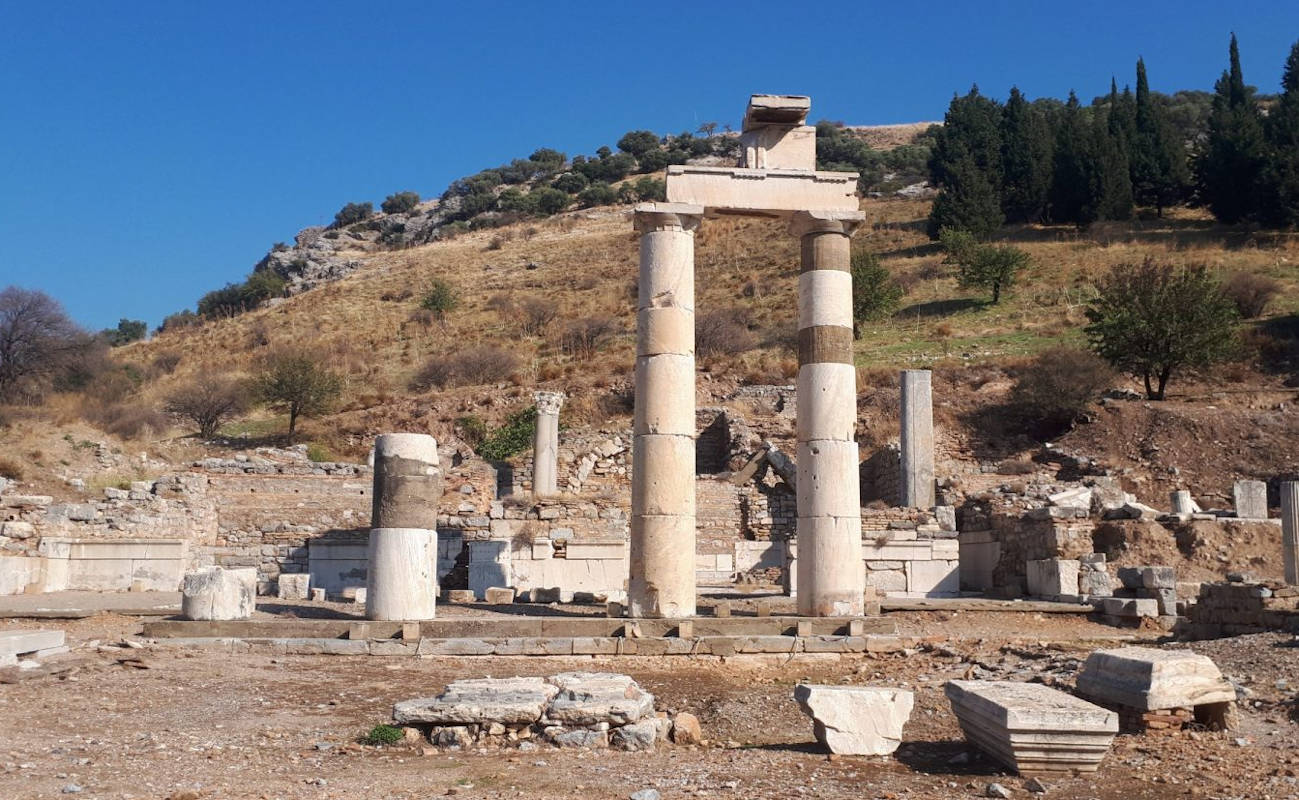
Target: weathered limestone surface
{"type": "Point", "coordinates": [767, 192]}
{"type": "Point", "coordinates": [1183, 503]}
{"type": "Point", "coordinates": [830, 577]}
{"type": "Point", "coordinates": [589, 698]}
{"type": "Point", "coordinates": [401, 583]}
{"type": "Point", "coordinates": [1053, 577]}
{"type": "Point", "coordinates": [1033, 728]}
{"type": "Point", "coordinates": [1290, 531]}
{"type": "Point", "coordinates": [856, 720]}
{"type": "Point", "coordinates": [545, 443]}
{"type": "Point", "coordinates": [480, 700]}
{"type": "Point", "coordinates": [1148, 679]}
{"type": "Point", "coordinates": [662, 541]}
{"type": "Point", "coordinates": [216, 593]}
{"type": "Point", "coordinates": [1251, 499]}
{"type": "Point", "coordinates": [917, 438]}
{"type": "Point", "coordinates": [407, 481]}
{"type": "Point", "coordinates": [17, 643]}
{"type": "Point", "coordinates": [293, 586]}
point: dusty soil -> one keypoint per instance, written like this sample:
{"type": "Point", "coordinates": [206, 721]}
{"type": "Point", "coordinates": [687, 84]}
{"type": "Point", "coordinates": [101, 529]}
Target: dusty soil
{"type": "Point", "coordinates": [202, 725]}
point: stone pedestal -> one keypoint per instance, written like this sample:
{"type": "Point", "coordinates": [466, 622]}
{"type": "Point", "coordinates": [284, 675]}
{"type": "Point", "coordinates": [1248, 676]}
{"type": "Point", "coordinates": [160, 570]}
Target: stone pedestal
{"type": "Point", "coordinates": [401, 583]}
{"type": "Point", "coordinates": [545, 444]}
{"type": "Point", "coordinates": [917, 439]}
{"type": "Point", "coordinates": [831, 577]}
{"type": "Point", "coordinates": [407, 481]}
{"type": "Point", "coordinates": [1290, 531]}
{"type": "Point", "coordinates": [1251, 499]}
{"type": "Point", "coordinates": [216, 593]}
{"type": "Point", "coordinates": [401, 579]}
{"type": "Point", "coordinates": [1183, 503]}
{"type": "Point", "coordinates": [662, 547]}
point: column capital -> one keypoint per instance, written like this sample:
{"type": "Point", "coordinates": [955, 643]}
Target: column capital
{"type": "Point", "coordinates": [548, 402]}
{"type": "Point", "coordinates": [841, 222]}
{"type": "Point", "coordinates": [664, 216]}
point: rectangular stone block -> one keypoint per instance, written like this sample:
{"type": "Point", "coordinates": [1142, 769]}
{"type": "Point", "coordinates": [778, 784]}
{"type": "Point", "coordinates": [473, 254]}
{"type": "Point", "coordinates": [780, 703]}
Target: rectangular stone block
{"type": "Point", "coordinates": [1052, 577]}
{"type": "Point", "coordinates": [20, 642]}
{"type": "Point", "coordinates": [1158, 578]}
{"type": "Point", "coordinates": [1251, 499]}
{"type": "Point", "coordinates": [768, 191]}
{"type": "Point", "coordinates": [933, 578]}
{"type": "Point", "coordinates": [293, 586]}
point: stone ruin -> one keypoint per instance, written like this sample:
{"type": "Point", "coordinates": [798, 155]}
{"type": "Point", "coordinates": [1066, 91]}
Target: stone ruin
{"type": "Point", "coordinates": [571, 709]}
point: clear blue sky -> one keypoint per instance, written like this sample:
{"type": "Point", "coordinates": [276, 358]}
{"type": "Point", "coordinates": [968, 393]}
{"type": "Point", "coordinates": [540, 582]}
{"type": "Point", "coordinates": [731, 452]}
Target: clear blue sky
{"type": "Point", "coordinates": [155, 150]}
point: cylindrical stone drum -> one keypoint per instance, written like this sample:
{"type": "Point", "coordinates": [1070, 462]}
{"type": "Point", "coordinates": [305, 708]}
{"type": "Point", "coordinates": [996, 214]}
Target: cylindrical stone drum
{"type": "Point", "coordinates": [407, 481]}
{"type": "Point", "coordinates": [401, 582]}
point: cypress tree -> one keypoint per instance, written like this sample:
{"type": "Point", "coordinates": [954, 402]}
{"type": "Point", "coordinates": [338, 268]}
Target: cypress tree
{"type": "Point", "coordinates": [1108, 180]}
{"type": "Point", "coordinates": [1026, 156]}
{"type": "Point", "coordinates": [1281, 177]}
{"type": "Point", "coordinates": [1123, 118]}
{"type": "Point", "coordinates": [966, 166]}
{"type": "Point", "coordinates": [1231, 166]}
{"type": "Point", "coordinates": [1157, 157]}
{"type": "Point", "coordinates": [1070, 192]}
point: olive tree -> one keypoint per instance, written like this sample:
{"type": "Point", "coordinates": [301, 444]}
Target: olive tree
{"type": "Point", "coordinates": [297, 383]}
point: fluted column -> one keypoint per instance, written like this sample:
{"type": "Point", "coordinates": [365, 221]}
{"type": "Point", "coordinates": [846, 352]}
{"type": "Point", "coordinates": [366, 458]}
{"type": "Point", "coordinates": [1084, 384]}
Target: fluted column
{"type": "Point", "coordinates": [831, 575]}
{"type": "Point", "coordinates": [1290, 531]}
{"type": "Point", "coordinates": [401, 579]}
{"type": "Point", "coordinates": [917, 439]}
{"type": "Point", "coordinates": [545, 443]}
{"type": "Point", "coordinates": [662, 552]}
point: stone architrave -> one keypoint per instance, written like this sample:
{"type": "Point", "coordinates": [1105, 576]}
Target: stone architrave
{"type": "Point", "coordinates": [401, 579]}
{"type": "Point", "coordinates": [917, 439]}
{"type": "Point", "coordinates": [1148, 679]}
{"type": "Point", "coordinates": [216, 593]}
{"type": "Point", "coordinates": [831, 579]}
{"type": "Point", "coordinates": [545, 444]}
{"type": "Point", "coordinates": [1251, 499]}
{"type": "Point", "coordinates": [1290, 531]}
{"type": "Point", "coordinates": [662, 546]}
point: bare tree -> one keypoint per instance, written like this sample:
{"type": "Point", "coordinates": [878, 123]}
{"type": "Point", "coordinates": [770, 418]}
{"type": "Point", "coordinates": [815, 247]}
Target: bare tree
{"type": "Point", "coordinates": [208, 402]}
{"type": "Point", "coordinates": [37, 340]}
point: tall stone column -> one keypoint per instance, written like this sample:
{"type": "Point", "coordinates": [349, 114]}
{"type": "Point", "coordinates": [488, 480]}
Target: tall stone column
{"type": "Point", "coordinates": [1290, 531]}
{"type": "Point", "coordinates": [401, 580]}
{"type": "Point", "coordinates": [831, 575]}
{"type": "Point", "coordinates": [662, 552]}
{"type": "Point", "coordinates": [545, 443]}
{"type": "Point", "coordinates": [917, 439]}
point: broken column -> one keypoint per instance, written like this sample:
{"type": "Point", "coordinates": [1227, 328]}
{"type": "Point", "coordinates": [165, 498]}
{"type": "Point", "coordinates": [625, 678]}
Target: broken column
{"type": "Point", "coordinates": [662, 547]}
{"type": "Point", "coordinates": [917, 439]}
{"type": "Point", "coordinates": [1183, 503]}
{"type": "Point", "coordinates": [831, 576]}
{"type": "Point", "coordinates": [545, 443]}
{"type": "Point", "coordinates": [1251, 499]}
{"type": "Point", "coordinates": [1290, 531]}
{"type": "Point", "coordinates": [216, 593]}
{"type": "Point", "coordinates": [401, 582]}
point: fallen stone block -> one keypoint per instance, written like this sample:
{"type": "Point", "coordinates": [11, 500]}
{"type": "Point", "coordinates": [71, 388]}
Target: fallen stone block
{"type": "Point", "coordinates": [1080, 498]}
{"type": "Point", "coordinates": [1158, 578]}
{"type": "Point", "coordinates": [856, 720]}
{"type": "Point", "coordinates": [217, 593]}
{"type": "Point", "coordinates": [1131, 607]}
{"type": "Point", "coordinates": [499, 595]}
{"type": "Point", "coordinates": [1053, 577]}
{"type": "Point", "coordinates": [293, 586]}
{"type": "Point", "coordinates": [1147, 679]}
{"type": "Point", "coordinates": [461, 596]}
{"type": "Point", "coordinates": [636, 737]}
{"type": "Point", "coordinates": [20, 643]}
{"type": "Point", "coordinates": [589, 698]}
{"type": "Point", "coordinates": [1033, 728]}
{"type": "Point", "coordinates": [478, 701]}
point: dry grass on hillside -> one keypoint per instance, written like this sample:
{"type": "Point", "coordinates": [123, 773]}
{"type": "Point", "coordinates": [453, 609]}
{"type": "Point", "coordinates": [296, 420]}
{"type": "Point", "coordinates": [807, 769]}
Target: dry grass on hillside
{"type": "Point", "coordinates": [583, 265]}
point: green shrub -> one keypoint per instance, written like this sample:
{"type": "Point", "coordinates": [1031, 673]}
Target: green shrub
{"type": "Point", "coordinates": [597, 194]}
{"type": "Point", "coordinates": [653, 161]}
{"type": "Point", "coordinates": [548, 202]}
{"type": "Point", "coordinates": [353, 213]}
{"type": "Point", "coordinates": [181, 319]}
{"type": "Point", "coordinates": [513, 437]}
{"type": "Point", "coordinates": [651, 190]}
{"type": "Point", "coordinates": [548, 158]}
{"type": "Point", "coordinates": [570, 182]}
{"type": "Point", "coordinates": [127, 331]}
{"type": "Point", "coordinates": [638, 142]}
{"type": "Point", "coordinates": [874, 292]}
{"type": "Point", "coordinates": [383, 734]}
{"type": "Point", "coordinates": [318, 453]}
{"type": "Point", "coordinates": [472, 429]}
{"type": "Point", "coordinates": [400, 202]}
{"type": "Point", "coordinates": [440, 298]}
{"type": "Point", "coordinates": [983, 266]}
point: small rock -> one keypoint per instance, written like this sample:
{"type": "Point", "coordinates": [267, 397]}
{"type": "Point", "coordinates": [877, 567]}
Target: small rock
{"type": "Point", "coordinates": [1035, 786]}
{"type": "Point", "coordinates": [72, 788]}
{"type": "Point", "coordinates": [645, 794]}
{"type": "Point", "coordinates": [686, 730]}
{"type": "Point", "coordinates": [996, 790]}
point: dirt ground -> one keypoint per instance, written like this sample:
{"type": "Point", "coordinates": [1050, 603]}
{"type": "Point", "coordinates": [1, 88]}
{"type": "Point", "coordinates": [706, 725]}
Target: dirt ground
{"type": "Point", "coordinates": [200, 724]}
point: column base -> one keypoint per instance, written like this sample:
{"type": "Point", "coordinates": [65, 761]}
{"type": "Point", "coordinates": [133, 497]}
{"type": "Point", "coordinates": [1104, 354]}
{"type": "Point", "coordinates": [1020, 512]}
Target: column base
{"type": "Point", "coordinates": [401, 581]}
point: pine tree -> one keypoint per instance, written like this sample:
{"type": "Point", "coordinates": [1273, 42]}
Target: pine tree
{"type": "Point", "coordinates": [1069, 182]}
{"type": "Point", "coordinates": [1157, 157]}
{"type": "Point", "coordinates": [1281, 176]}
{"type": "Point", "coordinates": [1231, 166]}
{"type": "Point", "coordinates": [1026, 154]}
{"type": "Point", "coordinates": [1108, 180]}
{"type": "Point", "coordinates": [965, 165]}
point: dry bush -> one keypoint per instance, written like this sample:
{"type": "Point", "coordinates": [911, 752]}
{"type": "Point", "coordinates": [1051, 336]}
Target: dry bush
{"type": "Point", "coordinates": [11, 469]}
{"type": "Point", "coordinates": [722, 333]}
{"type": "Point", "coordinates": [499, 302]}
{"type": "Point", "coordinates": [423, 317]}
{"type": "Point", "coordinates": [1059, 386]}
{"type": "Point", "coordinates": [165, 363]}
{"type": "Point", "coordinates": [582, 337]}
{"type": "Point", "coordinates": [535, 315]}
{"type": "Point", "coordinates": [1016, 466]}
{"type": "Point", "coordinates": [471, 367]}
{"type": "Point", "coordinates": [1250, 292]}
{"type": "Point", "coordinates": [127, 419]}
{"type": "Point", "coordinates": [208, 401]}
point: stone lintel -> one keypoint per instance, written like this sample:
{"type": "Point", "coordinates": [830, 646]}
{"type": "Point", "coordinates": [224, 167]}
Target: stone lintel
{"type": "Point", "coordinates": [657, 216]}
{"type": "Point", "coordinates": [774, 193]}
{"type": "Point", "coordinates": [776, 109]}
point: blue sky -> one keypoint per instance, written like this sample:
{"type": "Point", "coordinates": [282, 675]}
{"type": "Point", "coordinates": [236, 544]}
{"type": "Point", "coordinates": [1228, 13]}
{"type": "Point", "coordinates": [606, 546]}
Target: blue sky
{"type": "Point", "coordinates": [155, 150]}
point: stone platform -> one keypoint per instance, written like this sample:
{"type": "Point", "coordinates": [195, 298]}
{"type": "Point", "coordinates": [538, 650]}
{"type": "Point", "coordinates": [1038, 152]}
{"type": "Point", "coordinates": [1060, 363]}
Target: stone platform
{"type": "Point", "coordinates": [1033, 728]}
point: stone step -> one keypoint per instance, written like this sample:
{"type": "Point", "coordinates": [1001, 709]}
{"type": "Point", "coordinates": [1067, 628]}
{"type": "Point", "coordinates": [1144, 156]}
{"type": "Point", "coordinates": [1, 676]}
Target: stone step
{"type": "Point", "coordinates": [17, 643]}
